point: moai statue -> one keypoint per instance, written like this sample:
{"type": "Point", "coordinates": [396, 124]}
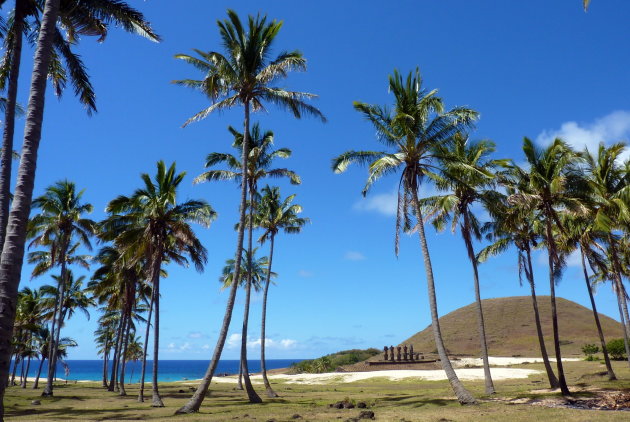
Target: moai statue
{"type": "Point", "coordinates": [391, 353]}
{"type": "Point", "coordinates": [411, 355]}
{"type": "Point", "coordinates": [385, 350]}
{"type": "Point", "coordinates": [398, 355]}
{"type": "Point", "coordinates": [405, 355]}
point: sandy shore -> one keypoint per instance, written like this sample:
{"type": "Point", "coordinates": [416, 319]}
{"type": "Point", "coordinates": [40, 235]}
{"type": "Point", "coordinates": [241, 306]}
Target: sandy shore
{"type": "Point", "coordinates": [463, 369]}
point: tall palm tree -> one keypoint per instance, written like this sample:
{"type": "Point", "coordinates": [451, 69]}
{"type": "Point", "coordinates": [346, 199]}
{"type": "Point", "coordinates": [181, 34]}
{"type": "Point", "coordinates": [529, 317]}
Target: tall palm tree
{"type": "Point", "coordinates": [85, 18]}
{"type": "Point", "coordinates": [15, 238]}
{"type": "Point", "coordinates": [243, 76]}
{"type": "Point", "coordinates": [514, 226]}
{"type": "Point", "coordinates": [412, 131]}
{"type": "Point", "coordinates": [151, 224]}
{"type": "Point", "coordinates": [609, 196]}
{"type": "Point", "coordinates": [260, 158]}
{"type": "Point", "coordinates": [272, 215]}
{"type": "Point", "coordinates": [553, 183]}
{"type": "Point", "coordinates": [60, 221]}
{"type": "Point", "coordinates": [467, 174]}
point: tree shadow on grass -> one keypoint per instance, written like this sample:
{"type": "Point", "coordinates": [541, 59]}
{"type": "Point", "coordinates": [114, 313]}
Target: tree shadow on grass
{"type": "Point", "coordinates": [415, 401]}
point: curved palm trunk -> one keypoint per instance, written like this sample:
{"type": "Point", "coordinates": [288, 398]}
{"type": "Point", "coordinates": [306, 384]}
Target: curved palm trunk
{"type": "Point", "coordinates": [551, 250]}
{"type": "Point", "coordinates": [39, 373]}
{"type": "Point", "coordinates": [553, 381]}
{"type": "Point", "coordinates": [466, 231]}
{"type": "Point", "coordinates": [622, 319]}
{"type": "Point", "coordinates": [28, 367]}
{"type": "Point", "coordinates": [122, 358]}
{"type": "Point", "coordinates": [6, 158]}
{"type": "Point", "coordinates": [611, 373]}
{"type": "Point", "coordinates": [463, 395]}
{"type": "Point", "coordinates": [156, 400]}
{"type": "Point", "coordinates": [251, 393]}
{"type": "Point", "coordinates": [13, 248]}
{"type": "Point", "coordinates": [115, 358]}
{"type": "Point", "coordinates": [22, 371]}
{"type": "Point", "coordinates": [144, 352]}
{"type": "Point", "coordinates": [195, 401]}
{"type": "Point", "coordinates": [16, 362]}
{"type": "Point", "coordinates": [263, 365]}
{"type": "Point", "coordinates": [52, 359]}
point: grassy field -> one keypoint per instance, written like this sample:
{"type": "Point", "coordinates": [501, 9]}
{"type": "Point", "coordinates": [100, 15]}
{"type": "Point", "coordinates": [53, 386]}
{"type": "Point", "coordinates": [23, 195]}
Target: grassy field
{"type": "Point", "coordinates": [408, 400]}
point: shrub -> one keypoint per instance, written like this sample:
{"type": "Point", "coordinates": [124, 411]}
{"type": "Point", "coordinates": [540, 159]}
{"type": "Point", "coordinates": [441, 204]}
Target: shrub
{"type": "Point", "coordinates": [616, 349]}
{"type": "Point", "coordinates": [589, 350]}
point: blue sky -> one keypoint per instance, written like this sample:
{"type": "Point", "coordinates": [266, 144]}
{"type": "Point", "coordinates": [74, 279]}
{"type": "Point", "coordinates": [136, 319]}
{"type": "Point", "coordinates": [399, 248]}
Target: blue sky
{"type": "Point", "coordinates": [531, 68]}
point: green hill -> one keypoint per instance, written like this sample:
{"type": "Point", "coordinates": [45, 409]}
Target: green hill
{"type": "Point", "coordinates": [511, 329]}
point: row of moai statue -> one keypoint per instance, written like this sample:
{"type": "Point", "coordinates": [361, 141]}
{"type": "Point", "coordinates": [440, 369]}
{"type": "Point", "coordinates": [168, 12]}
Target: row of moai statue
{"type": "Point", "coordinates": [401, 354]}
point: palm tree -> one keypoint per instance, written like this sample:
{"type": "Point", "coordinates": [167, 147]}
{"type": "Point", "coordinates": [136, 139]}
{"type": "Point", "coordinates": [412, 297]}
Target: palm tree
{"type": "Point", "coordinates": [513, 226]}
{"type": "Point", "coordinates": [150, 224]}
{"type": "Point", "coordinates": [104, 338]}
{"type": "Point", "coordinates": [75, 298]}
{"type": "Point", "coordinates": [553, 180]}
{"type": "Point", "coordinates": [467, 174]}
{"type": "Point", "coordinates": [274, 214]}
{"type": "Point", "coordinates": [252, 272]}
{"type": "Point", "coordinates": [30, 317]}
{"type": "Point", "coordinates": [86, 18]}
{"type": "Point", "coordinates": [243, 77]}
{"type": "Point", "coordinates": [579, 231]}
{"type": "Point", "coordinates": [412, 131]}
{"type": "Point", "coordinates": [59, 222]}
{"type": "Point", "coordinates": [260, 159]}
{"type": "Point", "coordinates": [609, 194]}
{"type": "Point", "coordinates": [21, 206]}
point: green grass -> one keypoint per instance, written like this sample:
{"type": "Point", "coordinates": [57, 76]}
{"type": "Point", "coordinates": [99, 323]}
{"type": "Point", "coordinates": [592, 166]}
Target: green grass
{"type": "Point", "coordinates": [389, 400]}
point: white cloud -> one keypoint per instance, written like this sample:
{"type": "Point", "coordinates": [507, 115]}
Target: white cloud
{"type": "Point", "coordinates": [353, 256]}
{"type": "Point", "coordinates": [611, 128]}
{"type": "Point", "coordinates": [234, 342]}
{"type": "Point", "coordinates": [195, 334]}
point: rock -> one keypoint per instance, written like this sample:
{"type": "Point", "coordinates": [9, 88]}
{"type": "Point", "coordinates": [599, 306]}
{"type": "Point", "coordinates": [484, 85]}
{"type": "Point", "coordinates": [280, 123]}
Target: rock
{"type": "Point", "coordinates": [36, 402]}
{"type": "Point", "coordinates": [366, 414]}
{"type": "Point", "coordinates": [348, 405]}
{"type": "Point", "coordinates": [361, 405]}
{"type": "Point", "coordinates": [338, 405]}
{"type": "Point", "coordinates": [181, 391]}
{"type": "Point", "coordinates": [296, 416]}
{"type": "Point", "coordinates": [271, 420]}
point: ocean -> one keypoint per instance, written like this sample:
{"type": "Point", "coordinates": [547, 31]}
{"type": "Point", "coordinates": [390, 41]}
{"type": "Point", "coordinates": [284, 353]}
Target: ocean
{"type": "Point", "coordinates": [169, 370]}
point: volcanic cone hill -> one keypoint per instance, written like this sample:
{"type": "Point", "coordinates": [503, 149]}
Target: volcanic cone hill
{"type": "Point", "coordinates": [511, 329]}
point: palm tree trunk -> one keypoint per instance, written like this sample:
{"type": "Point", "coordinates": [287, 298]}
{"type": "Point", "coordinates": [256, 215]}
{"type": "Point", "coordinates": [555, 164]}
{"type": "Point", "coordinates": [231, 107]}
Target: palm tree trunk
{"type": "Point", "coordinates": [28, 367]}
{"type": "Point", "coordinates": [13, 248]}
{"type": "Point", "coordinates": [6, 155]}
{"type": "Point", "coordinates": [16, 362]}
{"type": "Point", "coordinates": [39, 372]}
{"type": "Point", "coordinates": [22, 371]}
{"type": "Point", "coordinates": [251, 393]}
{"type": "Point", "coordinates": [263, 365]}
{"type": "Point", "coordinates": [195, 401]}
{"type": "Point", "coordinates": [105, 364]}
{"type": "Point", "coordinates": [553, 381]}
{"type": "Point", "coordinates": [622, 319]}
{"type": "Point", "coordinates": [621, 293]}
{"type": "Point", "coordinates": [551, 249]}
{"type": "Point", "coordinates": [156, 401]}
{"type": "Point", "coordinates": [144, 352]}
{"type": "Point", "coordinates": [466, 233]}
{"type": "Point", "coordinates": [115, 358]}
{"type": "Point", "coordinates": [239, 385]}
{"type": "Point", "coordinates": [611, 373]}
{"type": "Point", "coordinates": [463, 395]}
{"type": "Point", "coordinates": [123, 356]}
{"type": "Point", "coordinates": [52, 359]}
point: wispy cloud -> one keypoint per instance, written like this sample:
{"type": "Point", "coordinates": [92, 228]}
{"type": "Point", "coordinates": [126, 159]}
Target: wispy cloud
{"type": "Point", "coordinates": [305, 273]}
{"type": "Point", "coordinates": [353, 256]}
{"type": "Point", "coordinates": [387, 203]}
{"type": "Point", "coordinates": [611, 128]}
{"type": "Point", "coordinates": [196, 335]}
{"type": "Point", "coordinates": [234, 342]}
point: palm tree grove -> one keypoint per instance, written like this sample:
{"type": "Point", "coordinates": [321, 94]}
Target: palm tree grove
{"type": "Point", "coordinates": [416, 211]}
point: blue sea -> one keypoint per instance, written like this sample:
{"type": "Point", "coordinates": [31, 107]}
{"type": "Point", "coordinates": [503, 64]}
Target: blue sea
{"type": "Point", "coordinates": [169, 370]}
